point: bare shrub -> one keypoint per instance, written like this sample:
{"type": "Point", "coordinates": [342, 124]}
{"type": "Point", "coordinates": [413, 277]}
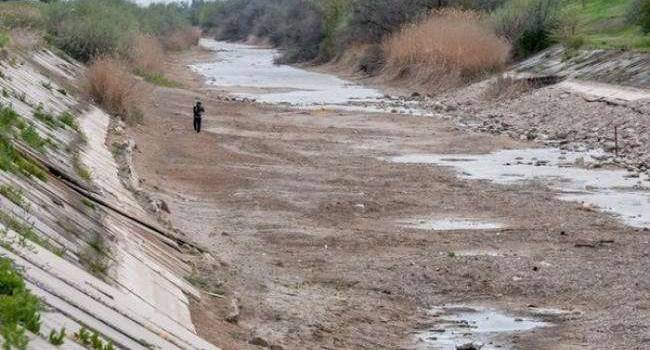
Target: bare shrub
{"type": "Point", "coordinates": [182, 39]}
{"type": "Point", "coordinates": [505, 87]}
{"type": "Point", "coordinates": [449, 47]}
{"type": "Point", "coordinates": [111, 85]}
{"type": "Point", "coordinates": [146, 54]}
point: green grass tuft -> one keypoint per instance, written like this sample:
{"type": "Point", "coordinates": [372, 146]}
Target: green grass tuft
{"type": "Point", "coordinates": [14, 195]}
{"type": "Point", "coordinates": [19, 308]}
{"type": "Point", "coordinates": [10, 159]}
{"type": "Point", "coordinates": [32, 138]}
{"type": "Point", "coordinates": [57, 338]}
{"type": "Point", "coordinates": [81, 169]}
{"type": "Point", "coordinates": [88, 203]}
{"type": "Point", "coordinates": [47, 118]}
{"type": "Point", "coordinates": [27, 232]}
{"type": "Point", "coordinates": [95, 257]}
{"type": "Point", "coordinates": [4, 39]}
{"type": "Point", "coordinates": [66, 118]}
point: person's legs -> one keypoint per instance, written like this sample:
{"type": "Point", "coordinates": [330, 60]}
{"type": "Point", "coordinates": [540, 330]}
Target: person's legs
{"type": "Point", "coordinates": [197, 125]}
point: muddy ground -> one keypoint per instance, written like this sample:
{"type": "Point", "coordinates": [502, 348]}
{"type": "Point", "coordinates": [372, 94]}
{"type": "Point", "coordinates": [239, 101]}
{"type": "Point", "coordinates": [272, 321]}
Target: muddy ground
{"type": "Point", "coordinates": [301, 219]}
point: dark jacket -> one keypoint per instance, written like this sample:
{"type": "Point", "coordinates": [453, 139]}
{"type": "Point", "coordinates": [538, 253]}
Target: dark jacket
{"type": "Point", "coordinates": [198, 111]}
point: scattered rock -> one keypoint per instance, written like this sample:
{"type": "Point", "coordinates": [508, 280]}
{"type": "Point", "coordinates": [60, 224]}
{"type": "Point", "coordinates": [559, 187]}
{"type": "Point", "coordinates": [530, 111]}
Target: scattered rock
{"type": "Point", "coordinates": [259, 341]}
{"type": "Point", "coordinates": [587, 207]}
{"type": "Point", "coordinates": [233, 316]}
{"type": "Point", "coordinates": [470, 346]}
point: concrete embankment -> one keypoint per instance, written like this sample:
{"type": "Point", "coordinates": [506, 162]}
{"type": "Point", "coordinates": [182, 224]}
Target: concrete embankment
{"type": "Point", "coordinates": [87, 248]}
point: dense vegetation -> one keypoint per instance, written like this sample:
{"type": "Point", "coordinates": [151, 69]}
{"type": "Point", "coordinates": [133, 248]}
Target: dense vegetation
{"type": "Point", "coordinates": [323, 29]}
{"type": "Point", "coordinates": [91, 28]}
{"type": "Point", "coordinates": [115, 37]}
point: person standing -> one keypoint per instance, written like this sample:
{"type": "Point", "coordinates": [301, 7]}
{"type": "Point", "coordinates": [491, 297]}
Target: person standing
{"type": "Point", "coordinates": [198, 114]}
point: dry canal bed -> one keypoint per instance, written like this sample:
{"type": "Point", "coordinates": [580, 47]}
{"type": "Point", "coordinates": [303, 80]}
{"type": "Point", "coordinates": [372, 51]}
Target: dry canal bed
{"type": "Point", "coordinates": [312, 219]}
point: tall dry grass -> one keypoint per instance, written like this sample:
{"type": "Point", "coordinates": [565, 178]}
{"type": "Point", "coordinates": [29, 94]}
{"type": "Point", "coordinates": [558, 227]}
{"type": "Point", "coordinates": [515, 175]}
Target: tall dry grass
{"type": "Point", "coordinates": [146, 54]}
{"type": "Point", "coordinates": [111, 85]}
{"type": "Point", "coordinates": [447, 48]}
{"type": "Point", "coordinates": [181, 39]}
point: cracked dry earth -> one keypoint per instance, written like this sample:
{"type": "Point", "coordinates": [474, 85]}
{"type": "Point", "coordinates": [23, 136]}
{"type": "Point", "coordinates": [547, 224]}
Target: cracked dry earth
{"type": "Point", "coordinates": [303, 220]}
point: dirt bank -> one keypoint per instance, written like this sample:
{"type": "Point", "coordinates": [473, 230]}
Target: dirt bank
{"type": "Point", "coordinates": [302, 217]}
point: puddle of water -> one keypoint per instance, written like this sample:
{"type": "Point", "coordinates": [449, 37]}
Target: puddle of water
{"type": "Point", "coordinates": [454, 224]}
{"type": "Point", "coordinates": [250, 72]}
{"type": "Point", "coordinates": [479, 253]}
{"type": "Point", "coordinates": [609, 190]}
{"type": "Point", "coordinates": [461, 325]}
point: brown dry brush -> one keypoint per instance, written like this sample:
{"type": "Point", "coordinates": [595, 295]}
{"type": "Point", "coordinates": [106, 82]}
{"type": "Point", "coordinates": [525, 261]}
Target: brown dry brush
{"type": "Point", "coordinates": [182, 39]}
{"type": "Point", "coordinates": [446, 49]}
{"type": "Point", "coordinates": [110, 84]}
{"type": "Point", "coordinates": [146, 54]}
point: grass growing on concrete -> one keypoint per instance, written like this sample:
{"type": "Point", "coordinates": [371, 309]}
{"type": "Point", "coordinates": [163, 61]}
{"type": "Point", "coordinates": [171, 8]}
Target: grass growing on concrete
{"type": "Point", "coordinates": [66, 118]}
{"type": "Point", "coordinates": [14, 195]}
{"type": "Point", "coordinates": [10, 159]}
{"type": "Point", "coordinates": [47, 118]}
{"type": "Point", "coordinates": [19, 308]}
{"type": "Point", "coordinates": [32, 138]}
{"type": "Point", "coordinates": [92, 340]}
{"type": "Point", "coordinates": [81, 169]}
{"type": "Point", "coordinates": [57, 338]}
{"type": "Point", "coordinates": [88, 203]}
{"type": "Point", "coordinates": [27, 232]}
{"type": "Point", "coordinates": [95, 256]}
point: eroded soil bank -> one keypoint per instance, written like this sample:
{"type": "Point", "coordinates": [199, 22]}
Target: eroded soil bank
{"type": "Point", "coordinates": [304, 221]}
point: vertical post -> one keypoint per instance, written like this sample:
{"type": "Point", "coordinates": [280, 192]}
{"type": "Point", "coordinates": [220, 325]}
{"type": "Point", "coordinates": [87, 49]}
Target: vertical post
{"type": "Point", "coordinates": [616, 139]}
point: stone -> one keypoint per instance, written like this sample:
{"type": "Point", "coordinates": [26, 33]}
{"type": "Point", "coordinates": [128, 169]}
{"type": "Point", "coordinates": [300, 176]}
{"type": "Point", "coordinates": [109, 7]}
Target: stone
{"type": "Point", "coordinates": [470, 346]}
{"type": "Point", "coordinates": [233, 316]}
{"type": "Point", "coordinates": [259, 341]}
